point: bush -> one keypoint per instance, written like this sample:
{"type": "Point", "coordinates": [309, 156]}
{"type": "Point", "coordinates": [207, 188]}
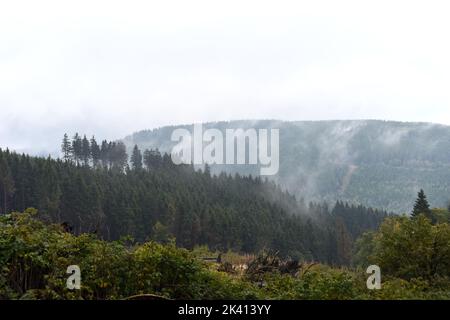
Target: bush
{"type": "Point", "coordinates": [34, 258]}
{"type": "Point", "coordinates": [408, 248]}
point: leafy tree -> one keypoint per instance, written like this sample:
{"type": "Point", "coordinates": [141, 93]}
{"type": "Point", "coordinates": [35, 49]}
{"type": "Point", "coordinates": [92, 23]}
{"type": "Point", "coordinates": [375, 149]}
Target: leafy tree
{"type": "Point", "coordinates": [408, 248]}
{"type": "Point", "coordinates": [35, 256]}
{"type": "Point", "coordinates": [440, 215]}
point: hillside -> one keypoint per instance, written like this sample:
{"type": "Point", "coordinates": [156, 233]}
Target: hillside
{"type": "Point", "coordinates": [374, 163]}
{"type": "Point", "coordinates": [161, 201]}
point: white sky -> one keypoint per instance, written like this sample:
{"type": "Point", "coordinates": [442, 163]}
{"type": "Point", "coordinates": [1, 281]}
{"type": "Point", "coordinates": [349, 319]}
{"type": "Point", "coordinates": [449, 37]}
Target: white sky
{"type": "Point", "coordinates": [115, 67]}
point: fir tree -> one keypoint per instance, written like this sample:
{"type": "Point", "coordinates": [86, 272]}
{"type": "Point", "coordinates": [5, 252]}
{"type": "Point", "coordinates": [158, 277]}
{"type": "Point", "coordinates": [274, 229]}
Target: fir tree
{"type": "Point", "coordinates": [95, 152]}
{"type": "Point", "coordinates": [66, 148]}
{"type": "Point", "coordinates": [104, 154]}
{"type": "Point", "coordinates": [223, 212]}
{"type": "Point", "coordinates": [6, 183]}
{"type": "Point", "coordinates": [77, 148]}
{"type": "Point", "coordinates": [85, 150]}
{"type": "Point", "coordinates": [421, 206]}
{"type": "Point", "coordinates": [136, 158]}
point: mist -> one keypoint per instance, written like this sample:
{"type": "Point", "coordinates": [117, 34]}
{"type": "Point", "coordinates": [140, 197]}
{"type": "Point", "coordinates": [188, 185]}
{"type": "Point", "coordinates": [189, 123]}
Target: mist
{"type": "Point", "coordinates": [111, 68]}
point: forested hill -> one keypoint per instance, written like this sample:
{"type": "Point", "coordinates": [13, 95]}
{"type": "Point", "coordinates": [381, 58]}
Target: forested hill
{"type": "Point", "coordinates": [373, 163]}
{"type": "Point", "coordinates": [154, 199]}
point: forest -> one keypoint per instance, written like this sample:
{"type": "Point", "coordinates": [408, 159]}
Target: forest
{"type": "Point", "coordinates": [380, 164]}
{"type": "Point", "coordinates": [96, 190]}
{"type": "Point", "coordinates": [139, 225]}
{"type": "Point", "coordinates": [413, 254]}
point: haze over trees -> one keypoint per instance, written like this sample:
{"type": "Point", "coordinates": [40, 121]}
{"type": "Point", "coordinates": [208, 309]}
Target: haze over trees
{"type": "Point", "coordinates": [359, 162]}
{"type": "Point", "coordinates": [124, 223]}
{"type": "Point", "coordinates": [95, 190]}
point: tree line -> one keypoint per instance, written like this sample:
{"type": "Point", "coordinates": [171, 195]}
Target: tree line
{"type": "Point", "coordinates": [107, 154]}
{"type": "Point", "coordinates": [153, 199]}
{"type": "Point", "coordinates": [88, 152]}
{"type": "Point", "coordinates": [413, 254]}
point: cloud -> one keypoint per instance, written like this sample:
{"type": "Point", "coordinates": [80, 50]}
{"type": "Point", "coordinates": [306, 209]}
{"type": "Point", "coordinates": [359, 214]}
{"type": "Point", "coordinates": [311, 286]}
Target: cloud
{"type": "Point", "coordinates": [112, 67]}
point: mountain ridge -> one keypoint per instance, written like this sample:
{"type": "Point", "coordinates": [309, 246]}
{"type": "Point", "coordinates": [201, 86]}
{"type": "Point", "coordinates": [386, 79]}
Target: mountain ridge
{"type": "Point", "coordinates": [376, 163]}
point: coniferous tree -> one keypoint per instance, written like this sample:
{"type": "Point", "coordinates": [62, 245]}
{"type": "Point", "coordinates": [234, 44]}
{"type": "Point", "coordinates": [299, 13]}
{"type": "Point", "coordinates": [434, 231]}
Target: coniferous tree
{"type": "Point", "coordinates": [104, 154]}
{"type": "Point", "coordinates": [147, 159]}
{"type": "Point", "coordinates": [136, 158]}
{"type": "Point", "coordinates": [152, 159]}
{"type": "Point", "coordinates": [95, 152]}
{"type": "Point", "coordinates": [226, 213]}
{"type": "Point", "coordinates": [85, 150]}
{"type": "Point", "coordinates": [207, 169]}
{"type": "Point", "coordinates": [6, 183]}
{"type": "Point", "coordinates": [422, 206]}
{"type": "Point", "coordinates": [66, 148]}
{"type": "Point", "coordinates": [77, 148]}
{"type": "Point", "coordinates": [118, 155]}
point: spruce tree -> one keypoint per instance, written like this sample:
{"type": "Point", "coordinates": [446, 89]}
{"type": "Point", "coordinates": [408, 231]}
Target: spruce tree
{"type": "Point", "coordinates": [421, 206]}
{"type": "Point", "coordinates": [66, 148]}
{"type": "Point", "coordinates": [147, 159]}
{"type": "Point", "coordinates": [152, 159]}
{"type": "Point", "coordinates": [77, 147]}
{"type": "Point", "coordinates": [104, 153]}
{"type": "Point", "coordinates": [95, 152]}
{"type": "Point", "coordinates": [118, 155]}
{"type": "Point", "coordinates": [6, 185]}
{"type": "Point", "coordinates": [223, 212]}
{"type": "Point", "coordinates": [85, 150]}
{"type": "Point", "coordinates": [136, 158]}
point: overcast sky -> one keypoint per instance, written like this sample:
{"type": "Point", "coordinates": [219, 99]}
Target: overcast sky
{"type": "Point", "coordinates": [114, 67]}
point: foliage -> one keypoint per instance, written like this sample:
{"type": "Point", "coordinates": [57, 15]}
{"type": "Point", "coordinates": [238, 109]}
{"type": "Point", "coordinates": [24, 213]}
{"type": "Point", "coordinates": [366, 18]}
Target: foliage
{"type": "Point", "coordinates": [160, 201]}
{"type": "Point", "coordinates": [408, 248]}
{"type": "Point", "coordinates": [34, 257]}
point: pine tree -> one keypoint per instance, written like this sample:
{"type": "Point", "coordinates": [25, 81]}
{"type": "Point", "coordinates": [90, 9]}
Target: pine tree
{"type": "Point", "coordinates": [422, 206]}
{"type": "Point", "coordinates": [220, 211]}
{"type": "Point", "coordinates": [6, 184]}
{"type": "Point", "coordinates": [147, 159]}
{"type": "Point", "coordinates": [95, 152]}
{"type": "Point", "coordinates": [207, 170]}
{"type": "Point", "coordinates": [104, 154]}
{"type": "Point", "coordinates": [85, 150]}
{"type": "Point", "coordinates": [136, 158]}
{"type": "Point", "coordinates": [118, 155]}
{"type": "Point", "coordinates": [152, 159]}
{"type": "Point", "coordinates": [66, 148]}
{"type": "Point", "coordinates": [77, 147]}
